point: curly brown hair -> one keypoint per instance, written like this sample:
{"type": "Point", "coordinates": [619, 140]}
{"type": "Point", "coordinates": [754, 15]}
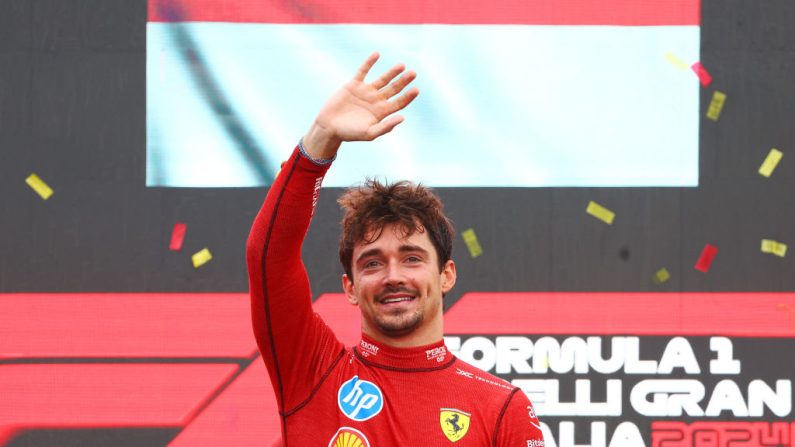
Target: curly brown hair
{"type": "Point", "coordinates": [414, 207]}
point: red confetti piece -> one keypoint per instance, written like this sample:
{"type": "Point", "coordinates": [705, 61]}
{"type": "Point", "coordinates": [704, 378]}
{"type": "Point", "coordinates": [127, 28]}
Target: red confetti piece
{"type": "Point", "coordinates": [702, 73]}
{"type": "Point", "coordinates": [177, 236]}
{"type": "Point", "coordinates": [705, 260]}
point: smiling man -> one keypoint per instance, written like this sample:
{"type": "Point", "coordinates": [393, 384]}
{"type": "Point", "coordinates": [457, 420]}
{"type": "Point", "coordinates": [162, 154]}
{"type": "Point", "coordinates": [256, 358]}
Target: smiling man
{"type": "Point", "coordinates": [400, 386]}
{"type": "Point", "coordinates": [395, 249]}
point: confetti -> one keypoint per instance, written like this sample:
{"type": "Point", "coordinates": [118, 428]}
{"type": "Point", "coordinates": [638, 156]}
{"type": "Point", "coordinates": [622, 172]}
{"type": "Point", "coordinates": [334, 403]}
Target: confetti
{"type": "Point", "coordinates": [473, 245]}
{"type": "Point", "coordinates": [177, 236]}
{"type": "Point", "coordinates": [201, 257]}
{"type": "Point", "coordinates": [661, 276]}
{"type": "Point", "coordinates": [702, 73]}
{"type": "Point", "coordinates": [39, 186]}
{"type": "Point", "coordinates": [772, 159]}
{"type": "Point", "coordinates": [600, 212]}
{"type": "Point", "coordinates": [773, 247]}
{"type": "Point", "coordinates": [705, 260]}
{"type": "Point", "coordinates": [675, 61]}
{"type": "Point", "coordinates": [715, 107]}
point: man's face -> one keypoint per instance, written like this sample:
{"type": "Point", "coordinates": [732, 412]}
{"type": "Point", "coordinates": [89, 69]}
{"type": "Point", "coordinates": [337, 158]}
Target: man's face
{"type": "Point", "coordinates": [398, 287]}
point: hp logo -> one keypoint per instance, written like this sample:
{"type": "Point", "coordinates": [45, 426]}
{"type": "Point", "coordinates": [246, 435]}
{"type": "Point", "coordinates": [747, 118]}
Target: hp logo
{"type": "Point", "coordinates": [359, 399]}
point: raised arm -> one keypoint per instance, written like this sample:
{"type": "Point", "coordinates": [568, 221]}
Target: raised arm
{"type": "Point", "coordinates": [296, 345]}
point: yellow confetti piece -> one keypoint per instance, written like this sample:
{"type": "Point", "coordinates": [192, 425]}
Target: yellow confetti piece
{"type": "Point", "coordinates": [715, 107]}
{"type": "Point", "coordinates": [201, 257]}
{"type": "Point", "coordinates": [676, 62]}
{"type": "Point", "coordinates": [772, 159]}
{"type": "Point", "coordinates": [600, 212]}
{"type": "Point", "coordinates": [39, 186]}
{"type": "Point", "coordinates": [773, 247]}
{"type": "Point", "coordinates": [661, 276]}
{"type": "Point", "coordinates": [473, 245]}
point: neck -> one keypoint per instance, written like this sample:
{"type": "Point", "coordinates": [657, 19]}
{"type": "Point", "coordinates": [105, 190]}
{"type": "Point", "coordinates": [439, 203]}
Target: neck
{"type": "Point", "coordinates": [427, 335]}
{"type": "Point", "coordinates": [416, 358]}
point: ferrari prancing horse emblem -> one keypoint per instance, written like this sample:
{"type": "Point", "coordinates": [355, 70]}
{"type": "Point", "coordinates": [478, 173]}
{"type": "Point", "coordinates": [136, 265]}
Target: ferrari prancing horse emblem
{"type": "Point", "coordinates": [455, 423]}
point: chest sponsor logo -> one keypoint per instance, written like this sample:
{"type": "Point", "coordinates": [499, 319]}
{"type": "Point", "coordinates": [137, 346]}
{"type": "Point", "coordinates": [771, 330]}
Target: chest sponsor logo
{"type": "Point", "coordinates": [359, 399]}
{"type": "Point", "coordinates": [455, 423]}
{"type": "Point", "coordinates": [348, 437]}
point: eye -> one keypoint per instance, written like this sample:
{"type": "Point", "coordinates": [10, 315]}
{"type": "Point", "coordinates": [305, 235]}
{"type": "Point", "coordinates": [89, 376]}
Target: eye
{"type": "Point", "coordinates": [371, 264]}
{"type": "Point", "coordinates": [414, 259]}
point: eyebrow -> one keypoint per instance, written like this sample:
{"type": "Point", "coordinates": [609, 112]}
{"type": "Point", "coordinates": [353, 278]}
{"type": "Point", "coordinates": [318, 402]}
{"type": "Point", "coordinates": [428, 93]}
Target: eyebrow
{"type": "Point", "coordinates": [405, 248]}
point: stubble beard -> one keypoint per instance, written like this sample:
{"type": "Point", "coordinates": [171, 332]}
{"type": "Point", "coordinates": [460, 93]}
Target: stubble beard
{"type": "Point", "coordinates": [399, 322]}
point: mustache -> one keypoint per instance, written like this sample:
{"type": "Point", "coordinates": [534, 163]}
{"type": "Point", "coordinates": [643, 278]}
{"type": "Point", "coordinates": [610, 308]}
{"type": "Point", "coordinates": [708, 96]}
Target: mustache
{"type": "Point", "coordinates": [392, 290]}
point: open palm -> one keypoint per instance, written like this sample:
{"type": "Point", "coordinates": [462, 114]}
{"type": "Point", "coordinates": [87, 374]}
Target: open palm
{"type": "Point", "coordinates": [361, 111]}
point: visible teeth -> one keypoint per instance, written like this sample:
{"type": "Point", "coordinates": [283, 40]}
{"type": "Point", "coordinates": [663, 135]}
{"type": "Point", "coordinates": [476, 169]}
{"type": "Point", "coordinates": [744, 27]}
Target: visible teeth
{"type": "Point", "coordinates": [396, 300]}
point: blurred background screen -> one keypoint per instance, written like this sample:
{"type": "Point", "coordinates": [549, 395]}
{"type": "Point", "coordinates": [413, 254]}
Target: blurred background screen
{"type": "Point", "coordinates": [534, 93]}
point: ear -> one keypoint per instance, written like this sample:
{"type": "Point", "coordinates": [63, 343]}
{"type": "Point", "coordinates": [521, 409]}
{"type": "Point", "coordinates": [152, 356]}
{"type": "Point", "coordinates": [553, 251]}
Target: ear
{"type": "Point", "coordinates": [350, 290]}
{"type": "Point", "coordinates": [448, 276]}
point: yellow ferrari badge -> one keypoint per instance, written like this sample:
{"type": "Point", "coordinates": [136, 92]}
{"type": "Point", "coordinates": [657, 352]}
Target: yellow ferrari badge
{"type": "Point", "coordinates": [455, 423]}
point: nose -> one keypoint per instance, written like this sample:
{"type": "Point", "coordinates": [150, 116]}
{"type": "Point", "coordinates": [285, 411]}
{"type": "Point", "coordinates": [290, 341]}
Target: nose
{"type": "Point", "coordinates": [393, 274]}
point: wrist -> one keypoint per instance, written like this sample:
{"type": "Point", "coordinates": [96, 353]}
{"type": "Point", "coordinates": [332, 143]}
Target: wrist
{"type": "Point", "coordinates": [320, 144]}
{"type": "Point", "coordinates": [315, 160]}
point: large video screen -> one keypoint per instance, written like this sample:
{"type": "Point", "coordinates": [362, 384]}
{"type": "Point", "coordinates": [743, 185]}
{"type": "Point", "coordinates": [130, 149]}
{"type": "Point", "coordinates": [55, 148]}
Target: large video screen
{"type": "Point", "coordinates": [512, 94]}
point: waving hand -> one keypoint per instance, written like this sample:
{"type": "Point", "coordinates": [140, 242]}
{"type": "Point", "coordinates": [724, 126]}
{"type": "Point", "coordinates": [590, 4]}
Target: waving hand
{"type": "Point", "coordinates": [361, 111]}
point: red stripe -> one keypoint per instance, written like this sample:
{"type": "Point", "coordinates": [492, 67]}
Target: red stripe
{"type": "Point", "coordinates": [209, 325]}
{"type": "Point", "coordinates": [730, 314]}
{"type": "Point", "coordinates": [497, 12]}
{"type": "Point", "coordinates": [125, 325]}
{"type": "Point", "coordinates": [245, 414]}
{"type": "Point", "coordinates": [118, 395]}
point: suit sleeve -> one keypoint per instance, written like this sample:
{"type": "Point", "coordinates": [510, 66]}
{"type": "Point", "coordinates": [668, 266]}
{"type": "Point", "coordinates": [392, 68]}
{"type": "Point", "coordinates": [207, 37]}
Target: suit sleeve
{"type": "Point", "coordinates": [296, 345]}
{"type": "Point", "coordinates": [518, 425]}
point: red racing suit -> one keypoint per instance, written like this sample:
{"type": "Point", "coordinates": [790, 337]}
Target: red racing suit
{"type": "Point", "coordinates": [372, 394]}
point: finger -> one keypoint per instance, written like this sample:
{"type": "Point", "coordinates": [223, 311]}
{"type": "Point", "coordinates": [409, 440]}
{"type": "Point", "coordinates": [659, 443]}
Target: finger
{"type": "Point", "coordinates": [387, 77]}
{"type": "Point", "coordinates": [402, 101]}
{"type": "Point", "coordinates": [385, 126]}
{"type": "Point", "coordinates": [366, 66]}
{"type": "Point", "coordinates": [396, 87]}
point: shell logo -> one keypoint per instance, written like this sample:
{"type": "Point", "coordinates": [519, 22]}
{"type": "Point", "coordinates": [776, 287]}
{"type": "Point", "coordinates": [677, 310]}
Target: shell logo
{"type": "Point", "coordinates": [348, 437]}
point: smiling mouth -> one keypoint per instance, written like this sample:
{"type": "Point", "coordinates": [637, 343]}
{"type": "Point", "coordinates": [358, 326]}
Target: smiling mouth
{"type": "Point", "coordinates": [399, 299]}
{"type": "Point", "coordinates": [396, 299]}
{"type": "Point", "coordinates": [396, 296]}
